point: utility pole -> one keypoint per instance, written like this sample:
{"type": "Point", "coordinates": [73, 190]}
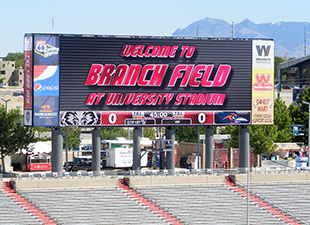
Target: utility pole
{"type": "Point", "coordinates": [53, 22]}
{"type": "Point", "coordinates": [305, 40]}
{"type": "Point", "coordinates": [6, 103]}
{"type": "Point", "coordinates": [232, 30]}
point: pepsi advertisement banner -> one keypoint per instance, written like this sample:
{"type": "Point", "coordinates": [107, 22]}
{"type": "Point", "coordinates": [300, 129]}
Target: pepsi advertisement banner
{"type": "Point", "coordinates": [46, 81]}
{"type": "Point", "coordinates": [144, 81]}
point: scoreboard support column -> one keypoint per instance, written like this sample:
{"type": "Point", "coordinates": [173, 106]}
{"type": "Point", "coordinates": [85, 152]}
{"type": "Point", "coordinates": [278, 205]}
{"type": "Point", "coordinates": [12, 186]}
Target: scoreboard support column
{"type": "Point", "coordinates": [136, 164]}
{"type": "Point", "coordinates": [209, 148]}
{"type": "Point", "coordinates": [170, 135]}
{"type": "Point", "coordinates": [57, 141]}
{"type": "Point", "coordinates": [96, 151]}
{"type": "Point", "coordinates": [162, 160]}
{"type": "Point", "coordinates": [244, 147]}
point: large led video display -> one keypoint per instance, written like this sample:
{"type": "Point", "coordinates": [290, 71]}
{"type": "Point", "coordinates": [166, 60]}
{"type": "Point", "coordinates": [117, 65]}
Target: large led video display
{"type": "Point", "coordinates": [92, 80]}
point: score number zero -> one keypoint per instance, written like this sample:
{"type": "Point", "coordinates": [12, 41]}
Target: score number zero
{"type": "Point", "coordinates": [112, 118]}
{"type": "Point", "coordinates": [202, 118]}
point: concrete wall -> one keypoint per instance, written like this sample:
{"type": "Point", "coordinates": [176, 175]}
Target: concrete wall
{"type": "Point", "coordinates": [177, 180]}
{"type": "Point", "coordinates": [65, 183]}
{"type": "Point", "coordinates": [273, 178]}
{"type": "Point", "coordinates": [84, 183]}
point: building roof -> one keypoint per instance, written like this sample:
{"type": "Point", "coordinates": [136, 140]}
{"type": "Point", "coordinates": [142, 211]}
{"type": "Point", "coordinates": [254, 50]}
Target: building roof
{"type": "Point", "coordinates": [295, 62]}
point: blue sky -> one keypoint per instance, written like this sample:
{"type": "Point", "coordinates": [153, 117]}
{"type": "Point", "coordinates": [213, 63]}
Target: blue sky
{"type": "Point", "coordinates": [133, 17]}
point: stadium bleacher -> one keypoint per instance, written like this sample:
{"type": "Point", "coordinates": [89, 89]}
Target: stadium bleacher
{"type": "Point", "coordinates": [189, 203]}
{"type": "Point", "coordinates": [292, 198]}
{"type": "Point", "coordinates": [12, 213]}
{"type": "Point", "coordinates": [207, 205]}
{"type": "Point", "coordinates": [104, 206]}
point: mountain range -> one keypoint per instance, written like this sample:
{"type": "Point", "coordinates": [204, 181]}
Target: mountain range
{"type": "Point", "coordinates": [290, 37]}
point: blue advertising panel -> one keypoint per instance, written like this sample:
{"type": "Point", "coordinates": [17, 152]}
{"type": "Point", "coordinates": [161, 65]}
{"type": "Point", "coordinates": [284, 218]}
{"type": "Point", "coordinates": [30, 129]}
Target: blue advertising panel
{"type": "Point", "coordinates": [46, 49]}
{"type": "Point", "coordinates": [46, 80]}
{"type": "Point", "coordinates": [46, 111]}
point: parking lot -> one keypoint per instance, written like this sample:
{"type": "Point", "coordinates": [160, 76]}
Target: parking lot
{"type": "Point", "coordinates": [17, 100]}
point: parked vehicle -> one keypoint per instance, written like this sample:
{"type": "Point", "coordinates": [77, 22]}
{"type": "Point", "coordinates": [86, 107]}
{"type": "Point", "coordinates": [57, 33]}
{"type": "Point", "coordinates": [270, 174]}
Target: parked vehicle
{"type": "Point", "coordinates": [82, 148]}
{"type": "Point", "coordinates": [19, 93]}
{"type": "Point", "coordinates": [79, 163]}
{"type": "Point", "coordinates": [39, 161]}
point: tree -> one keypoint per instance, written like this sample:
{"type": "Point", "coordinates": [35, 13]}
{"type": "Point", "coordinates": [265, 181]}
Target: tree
{"type": "Point", "coordinates": [300, 115]}
{"type": "Point", "coordinates": [234, 131]}
{"type": "Point", "coordinates": [111, 133]}
{"type": "Point", "coordinates": [283, 121]}
{"type": "Point", "coordinates": [186, 134]}
{"type": "Point", "coordinates": [149, 132]}
{"type": "Point", "coordinates": [74, 139]}
{"type": "Point", "coordinates": [262, 137]}
{"type": "Point", "coordinates": [190, 134]}
{"type": "Point", "coordinates": [13, 135]}
{"type": "Point", "coordinates": [18, 57]}
{"type": "Point", "coordinates": [41, 130]}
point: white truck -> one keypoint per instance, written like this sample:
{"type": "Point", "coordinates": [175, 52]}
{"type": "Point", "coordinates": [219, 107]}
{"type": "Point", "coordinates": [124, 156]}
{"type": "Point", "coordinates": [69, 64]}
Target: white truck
{"type": "Point", "coordinates": [122, 157]}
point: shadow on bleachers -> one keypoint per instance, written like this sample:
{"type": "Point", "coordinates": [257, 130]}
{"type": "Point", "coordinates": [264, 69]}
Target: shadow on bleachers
{"type": "Point", "coordinates": [291, 197]}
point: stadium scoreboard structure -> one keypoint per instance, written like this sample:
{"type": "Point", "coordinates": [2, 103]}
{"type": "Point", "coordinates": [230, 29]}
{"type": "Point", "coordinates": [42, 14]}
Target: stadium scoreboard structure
{"type": "Point", "coordinates": [93, 80]}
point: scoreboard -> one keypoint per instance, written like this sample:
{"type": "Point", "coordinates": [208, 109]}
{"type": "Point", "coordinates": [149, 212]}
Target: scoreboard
{"type": "Point", "coordinates": [96, 80]}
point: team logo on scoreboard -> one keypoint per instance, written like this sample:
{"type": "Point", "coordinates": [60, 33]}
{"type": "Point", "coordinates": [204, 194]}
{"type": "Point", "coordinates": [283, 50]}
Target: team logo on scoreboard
{"type": "Point", "coordinates": [73, 118]}
{"type": "Point", "coordinates": [232, 117]}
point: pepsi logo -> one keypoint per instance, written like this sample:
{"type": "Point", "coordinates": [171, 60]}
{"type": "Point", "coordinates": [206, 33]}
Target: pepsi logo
{"type": "Point", "coordinates": [37, 87]}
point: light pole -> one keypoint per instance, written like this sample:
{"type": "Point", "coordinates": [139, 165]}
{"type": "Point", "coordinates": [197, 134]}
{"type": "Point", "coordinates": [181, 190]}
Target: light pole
{"type": "Point", "coordinates": [307, 103]}
{"type": "Point", "coordinates": [6, 103]}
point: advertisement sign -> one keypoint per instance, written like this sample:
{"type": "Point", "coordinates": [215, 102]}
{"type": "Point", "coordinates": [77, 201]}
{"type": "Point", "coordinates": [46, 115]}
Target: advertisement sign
{"type": "Point", "coordinates": [46, 80]}
{"type": "Point", "coordinates": [28, 73]}
{"type": "Point", "coordinates": [46, 49]}
{"type": "Point", "coordinates": [263, 82]}
{"type": "Point", "coordinates": [28, 80]}
{"type": "Point", "coordinates": [46, 111]}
